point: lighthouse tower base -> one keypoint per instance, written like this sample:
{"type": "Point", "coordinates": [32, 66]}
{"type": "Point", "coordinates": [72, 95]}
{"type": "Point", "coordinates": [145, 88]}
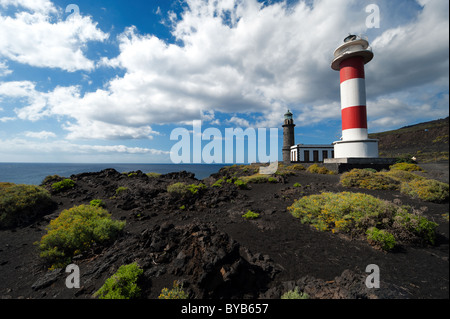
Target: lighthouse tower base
{"type": "Point", "coordinates": [357, 154]}
{"type": "Point", "coordinates": [367, 148]}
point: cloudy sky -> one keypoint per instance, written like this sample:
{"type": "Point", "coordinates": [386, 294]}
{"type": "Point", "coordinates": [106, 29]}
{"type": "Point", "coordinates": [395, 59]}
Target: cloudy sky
{"type": "Point", "coordinates": [108, 81]}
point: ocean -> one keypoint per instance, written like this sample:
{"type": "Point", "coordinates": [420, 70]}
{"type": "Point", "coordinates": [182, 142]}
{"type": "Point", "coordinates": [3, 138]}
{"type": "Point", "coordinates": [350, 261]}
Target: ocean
{"type": "Point", "coordinates": [34, 173]}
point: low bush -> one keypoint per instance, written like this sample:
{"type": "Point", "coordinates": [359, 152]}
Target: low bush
{"type": "Point", "coordinates": [364, 178]}
{"type": "Point", "coordinates": [409, 167]}
{"type": "Point", "coordinates": [355, 213]}
{"type": "Point", "coordinates": [405, 158]}
{"type": "Point", "coordinates": [401, 176]}
{"type": "Point", "coordinates": [381, 238]}
{"type": "Point", "coordinates": [297, 185]}
{"type": "Point", "coordinates": [63, 185]}
{"type": "Point", "coordinates": [195, 188]}
{"type": "Point", "coordinates": [179, 188]}
{"type": "Point", "coordinates": [51, 178]}
{"type": "Point", "coordinates": [258, 178]}
{"type": "Point", "coordinates": [176, 292]}
{"type": "Point", "coordinates": [298, 167]}
{"type": "Point", "coordinates": [182, 189]}
{"type": "Point", "coordinates": [97, 203]}
{"type": "Point", "coordinates": [250, 215]}
{"type": "Point", "coordinates": [295, 294]}
{"type": "Point", "coordinates": [21, 204]}
{"type": "Point", "coordinates": [74, 231]}
{"type": "Point", "coordinates": [426, 189]}
{"type": "Point", "coordinates": [408, 183]}
{"type": "Point", "coordinates": [121, 285]}
{"type": "Point", "coordinates": [316, 169]}
{"type": "Point", "coordinates": [416, 224]}
{"type": "Point", "coordinates": [121, 189]}
{"type": "Point", "coordinates": [241, 184]}
{"type": "Point", "coordinates": [218, 183]}
{"type": "Point", "coordinates": [153, 175]}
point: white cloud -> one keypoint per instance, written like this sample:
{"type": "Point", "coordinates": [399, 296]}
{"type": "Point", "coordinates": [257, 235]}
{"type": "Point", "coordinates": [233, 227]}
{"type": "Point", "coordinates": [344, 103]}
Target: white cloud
{"type": "Point", "coordinates": [246, 57]}
{"type": "Point", "coordinates": [59, 146]}
{"type": "Point", "coordinates": [45, 6]}
{"type": "Point", "coordinates": [40, 135]}
{"type": "Point", "coordinates": [240, 122]}
{"type": "Point", "coordinates": [235, 58]}
{"type": "Point", "coordinates": [99, 122]}
{"type": "Point", "coordinates": [7, 119]}
{"type": "Point", "coordinates": [32, 38]}
{"type": "Point", "coordinates": [414, 54]}
{"type": "Point", "coordinates": [4, 69]}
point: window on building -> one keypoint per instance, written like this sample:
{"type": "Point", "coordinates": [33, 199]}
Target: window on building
{"type": "Point", "coordinates": [306, 156]}
{"type": "Point", "coordinates": [315, 156]}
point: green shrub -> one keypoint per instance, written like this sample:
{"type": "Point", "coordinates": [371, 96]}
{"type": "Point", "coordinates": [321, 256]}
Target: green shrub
{"type": "Point", "coordinates": [405, 158]}
{"type": "Point", "coordinates": [182, 189]}
{"type": "Point", "coordinates": [416, 224]}
{"type": "Point", "coordinates": [295, 294]}
{"type": "Point", "coordinates": [241, 184]}
{"type": "Point", "coordinates": [316, 169]}
{"type": "Point", "coordinates": [355, 213]}
{"type": "Point", "coordinates": [177, 189]}
{"type": "Point", "coordinates": [297, 185]}
{"type": "Point", "coordinates": [153, 175]}
{"type": "Point", "coordinates": [121, 285]}
{"type": "Point", "coordinates": [258, 178]}
{"type": "Point", "coordinates": [409, 167]}
{"type": "Point", "coordinates": [364, 178]}
{"type": "Point", "coordinates": [121, 189]}
{"type": "Point", "coordinates": [401, 176]}
{"type": "Point", "coordinates": [74, 231]}
{"type": "Point", "coordinates": [250, 215]}
{"type": "Point", "coordinates": [426, 189]}
{"type": "Point", "coordinates": [176, 292]}
{"type": "Point", "coordinates": [381, 238]}
{"type": "Point", "coordinates": [97, 203]}
{"type": "Point", "coordinates": [195, 188]}
{"type": "Point", "coordinates": [50, 178]}
{"type": "Point", "coordinates": [21, 204]}
{"type": "Point", "coordinates": [218, 183]}
{"type": "Point", "coordinates": [298, 167]}
{"type": "Point", "coordinates": [63, 185]}
{"type": "Point", "coordinates": [132, 174]}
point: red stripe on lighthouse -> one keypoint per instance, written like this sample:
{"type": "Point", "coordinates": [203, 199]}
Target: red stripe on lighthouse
{"type": "Point", "coordinates": [354, 117]}
{"type": "Point", "coordinates": [352, 68]}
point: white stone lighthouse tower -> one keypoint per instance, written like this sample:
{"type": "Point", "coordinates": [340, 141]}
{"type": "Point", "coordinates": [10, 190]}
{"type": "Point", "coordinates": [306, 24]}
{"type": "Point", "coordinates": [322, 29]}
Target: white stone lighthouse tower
{"type": "Point", "coordinates": [349, 60]}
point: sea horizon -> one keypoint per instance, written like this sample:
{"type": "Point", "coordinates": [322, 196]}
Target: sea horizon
{"type": "Point", "coordinates": [33, 173]}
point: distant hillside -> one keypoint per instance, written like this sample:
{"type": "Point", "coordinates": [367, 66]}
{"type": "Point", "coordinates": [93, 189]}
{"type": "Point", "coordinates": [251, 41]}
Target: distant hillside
{"type": "Point", "coordinates": [427, 141]}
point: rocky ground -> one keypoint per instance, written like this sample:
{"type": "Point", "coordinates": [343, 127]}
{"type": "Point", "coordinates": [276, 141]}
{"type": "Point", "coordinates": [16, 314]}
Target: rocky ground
{"type": "Point", "coordinates": [204, 242]}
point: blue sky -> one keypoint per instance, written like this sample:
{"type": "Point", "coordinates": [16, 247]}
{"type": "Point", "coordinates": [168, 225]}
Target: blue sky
{"type": "Point", "coordinates": [111, 83]}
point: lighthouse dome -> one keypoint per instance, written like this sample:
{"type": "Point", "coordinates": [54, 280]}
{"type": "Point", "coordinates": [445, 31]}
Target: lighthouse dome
{"type": "Point", "coordinates": [288, 115]}
{"type": "Point", "coordinates": [354, 45]}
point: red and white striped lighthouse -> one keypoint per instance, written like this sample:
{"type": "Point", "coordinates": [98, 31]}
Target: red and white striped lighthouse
{"type": "Point", "coordinates": [349, 60]}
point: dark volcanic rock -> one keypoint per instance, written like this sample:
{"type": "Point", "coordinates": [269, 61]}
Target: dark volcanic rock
{"type": "Point", "coordinates": [202, 241]}
{"type": "Point", "coordinates": [349, 285]}
{"type": "Point", "coordinates": [208, 260]}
